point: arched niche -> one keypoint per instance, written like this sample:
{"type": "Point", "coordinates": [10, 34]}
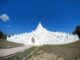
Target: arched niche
{"type": "Point", "coordinates": [33, 40]}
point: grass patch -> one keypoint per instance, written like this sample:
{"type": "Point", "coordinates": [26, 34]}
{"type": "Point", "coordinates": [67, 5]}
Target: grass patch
{"type": "Point", "coordinates": [67, 51]}
{"type": "Point", "coordinates": [7, 44]}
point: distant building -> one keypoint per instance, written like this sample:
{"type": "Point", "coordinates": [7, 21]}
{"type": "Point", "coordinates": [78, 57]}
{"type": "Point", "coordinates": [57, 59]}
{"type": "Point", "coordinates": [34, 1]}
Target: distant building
{"type": "Point", "coordinates": [41, 36]}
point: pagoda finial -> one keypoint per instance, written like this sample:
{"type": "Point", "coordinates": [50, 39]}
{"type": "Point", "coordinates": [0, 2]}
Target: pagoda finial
{"type": "Point", "coordinates": [39, 26]}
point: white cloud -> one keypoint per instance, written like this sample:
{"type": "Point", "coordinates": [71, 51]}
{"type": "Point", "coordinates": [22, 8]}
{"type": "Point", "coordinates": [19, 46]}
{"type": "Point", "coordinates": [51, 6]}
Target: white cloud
{"type": "Point", "coordinates": [4, 17]}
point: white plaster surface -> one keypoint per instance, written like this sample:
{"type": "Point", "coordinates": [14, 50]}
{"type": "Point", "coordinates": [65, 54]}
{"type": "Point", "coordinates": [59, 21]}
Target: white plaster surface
{"type": "Point", "coordinates": [43, 36]}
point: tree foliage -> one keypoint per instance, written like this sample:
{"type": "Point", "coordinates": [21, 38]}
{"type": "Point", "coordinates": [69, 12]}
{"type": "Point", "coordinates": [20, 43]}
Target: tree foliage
{"type": "Point", "coordinates": [77, 30]}
{"type": "Point", "coordinates": [2, 35]}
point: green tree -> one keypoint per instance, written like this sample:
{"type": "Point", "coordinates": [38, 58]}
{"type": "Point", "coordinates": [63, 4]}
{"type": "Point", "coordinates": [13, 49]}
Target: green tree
{"type": "Point", "coordinates": [2, 35]}
{"type": "Point", "coordinates": [77, 30]}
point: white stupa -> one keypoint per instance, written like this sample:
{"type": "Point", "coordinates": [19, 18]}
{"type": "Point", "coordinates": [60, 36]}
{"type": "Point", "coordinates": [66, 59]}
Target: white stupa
{"type": "Point", "coordinates": [41, 36]}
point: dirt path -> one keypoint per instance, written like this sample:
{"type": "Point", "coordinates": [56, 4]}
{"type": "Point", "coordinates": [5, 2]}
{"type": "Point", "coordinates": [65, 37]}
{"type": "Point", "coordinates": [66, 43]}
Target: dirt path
{"type": "Point", "coordinates": [6, 52]}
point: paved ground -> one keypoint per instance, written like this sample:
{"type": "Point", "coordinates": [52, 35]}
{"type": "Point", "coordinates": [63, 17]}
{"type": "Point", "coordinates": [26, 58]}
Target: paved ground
{"type": "Point", "coordinates": [6, 52]}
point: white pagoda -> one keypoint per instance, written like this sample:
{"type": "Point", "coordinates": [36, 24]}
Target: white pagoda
{"type": "Point", "coordinates": [41, 36]}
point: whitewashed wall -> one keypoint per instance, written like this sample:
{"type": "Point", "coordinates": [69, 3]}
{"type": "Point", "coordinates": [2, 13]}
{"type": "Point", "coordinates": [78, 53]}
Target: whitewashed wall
{"type": "Point", "coordinates": [43, 36]}
{"type": "Point", "coordinates": [54, 38]}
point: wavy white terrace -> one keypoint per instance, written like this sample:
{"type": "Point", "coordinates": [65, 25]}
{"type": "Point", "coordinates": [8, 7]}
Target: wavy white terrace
{"type": "Point", "coordinates": [41, 36]}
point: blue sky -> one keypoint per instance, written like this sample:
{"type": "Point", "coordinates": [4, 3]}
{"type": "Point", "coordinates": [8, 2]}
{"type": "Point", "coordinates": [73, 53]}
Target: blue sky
{"type": "Point", "coordinates": [24, 15]}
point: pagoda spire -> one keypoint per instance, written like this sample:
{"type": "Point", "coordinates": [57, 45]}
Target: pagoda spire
{"type": "Point", "coordinates": [39, 26]}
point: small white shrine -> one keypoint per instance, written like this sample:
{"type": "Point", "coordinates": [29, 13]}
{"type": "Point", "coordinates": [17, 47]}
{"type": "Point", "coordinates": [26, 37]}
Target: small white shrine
{"type": "Point", "coordinates": [41, 36]}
